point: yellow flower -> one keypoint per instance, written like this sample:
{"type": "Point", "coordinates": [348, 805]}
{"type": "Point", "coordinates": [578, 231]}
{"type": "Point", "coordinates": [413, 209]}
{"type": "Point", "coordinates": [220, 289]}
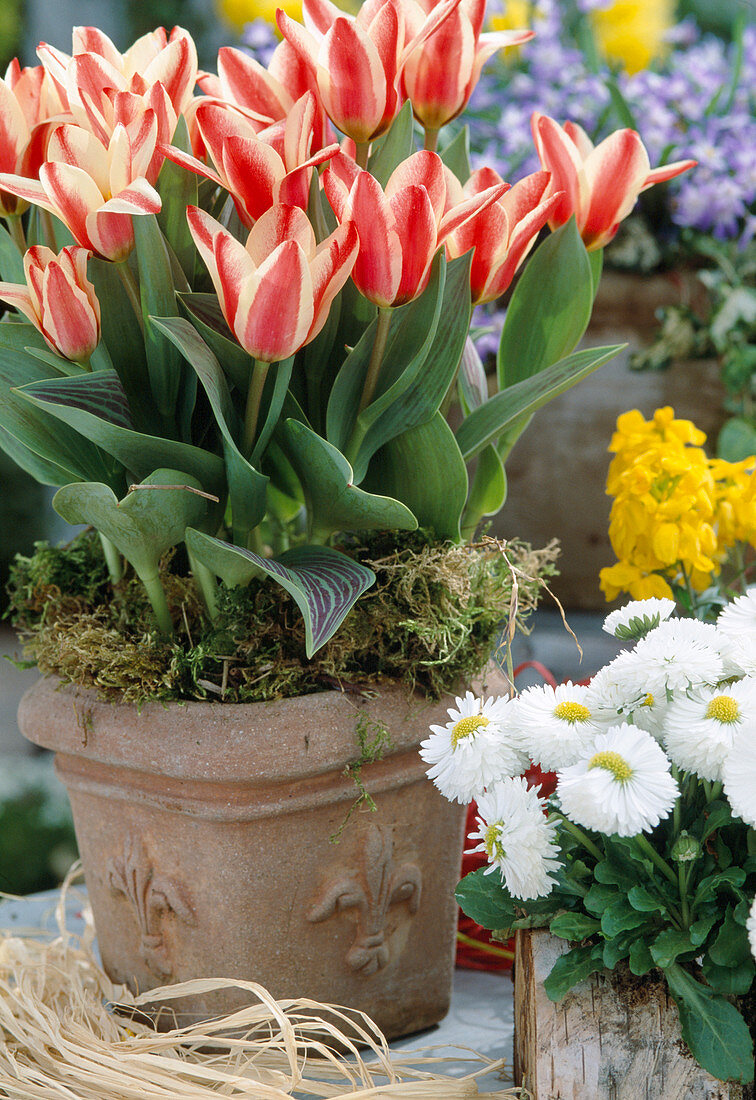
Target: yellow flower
{"type": "Point", "coordinates": [240, 12]}
{"type": "Point", "coordinates": [517, 14]}
{"type": "Point", "coordinates": [631, 32]}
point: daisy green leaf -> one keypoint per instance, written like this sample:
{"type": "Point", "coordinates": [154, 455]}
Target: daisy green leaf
{"type": "Point", "coordinates": [572, 968]}
{"type": "Point", "coordinates": [731, 947]}
{"type": "Point", "coordinates": [487, 902]}
{"type": "Point", "coordinates": [640, 959]}
{"type": "Point", "coordinates": [732, 981]}
{"type": "Point", "coordinates": [620, 917]}
{"type": "Point", "coordinates": [573, 926]}
{"type": "Point", "coordinates": [644, 901]}
{"type": "Point", "coordinates": [715, 1031]}
{"type": "Point", "coordinates": [668, 945]}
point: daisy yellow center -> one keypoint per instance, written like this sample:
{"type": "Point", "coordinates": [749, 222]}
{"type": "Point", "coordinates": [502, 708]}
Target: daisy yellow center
{"type": "Point", "coordinates": [492, 841]}
{"type": "Point", "coordinates": [571, 712]}
{"type": "Point", "coordinates": [612, 762]}
{"type": "Point", "coordinates": [723, 708]}
{"type": "Point", "coordinates": [467, 727]}
{"type": "Point", "coordinates": [648, 701]}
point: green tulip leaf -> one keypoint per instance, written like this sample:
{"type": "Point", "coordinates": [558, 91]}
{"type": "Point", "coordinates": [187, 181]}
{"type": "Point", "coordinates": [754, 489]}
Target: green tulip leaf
{"type": "Point", "coordinates": [485, 424]}
{"type": "Point", "coordinates": [487, 492]}
{"type": "Point", "coordinates": [550, 307]}
{"type": "Point", "coordinates": [207, 317]}
{"type": "Point", "coordinates": [158, 297]}
{"type": "Point", "coordinates": [42, 470]}
{"type": "Point", "coordinates": [334, 502]}
{"type": "Point", "coordinates": [456, 155]}
{"type": "Point", "coordinates": [394, 148]}
{"type": "Point", "coordinates": [177, 188]}
{"type": "Point", "coordinates": [99, 393]}
{"type": "Point", "coordinates": [146, 523]}
{"type": "Point", "coordinates": [246, 485]}
{"type": "Point", "coordinates": [424, 469]}
{"type": "Point", "coordinates": [11, 260]}
{"type": "Point", "coordinates": [324, 583]}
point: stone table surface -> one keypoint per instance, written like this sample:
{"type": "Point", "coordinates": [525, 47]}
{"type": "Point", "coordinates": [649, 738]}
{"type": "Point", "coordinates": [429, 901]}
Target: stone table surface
{"type": "Point", "coordinates": [480, 1018]}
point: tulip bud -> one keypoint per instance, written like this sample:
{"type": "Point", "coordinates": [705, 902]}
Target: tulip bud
{"type": "Point", "coordinates": [59, 300]}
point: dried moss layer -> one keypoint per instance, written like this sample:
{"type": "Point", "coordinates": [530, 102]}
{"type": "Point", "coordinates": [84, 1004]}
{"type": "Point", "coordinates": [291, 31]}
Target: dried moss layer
{"type": "Point", "coordinates": [432, 619]}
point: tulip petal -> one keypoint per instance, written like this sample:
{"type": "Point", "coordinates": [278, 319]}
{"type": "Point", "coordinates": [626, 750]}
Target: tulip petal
{"type": "Point", "coordinates": [233, 266]}
{"type": "Point", "coordinates": [17, 296]}
{"type": "Point", "coordinates": [275, 307]}
{"type": "Point", "coordinates": [320, 15]}
{"type": "Point", "coordinates": [252, 170]}
{"type": "Point", "coordinates": [667, 172]}
{"type": "Point", "coordinates": [522, 237]}
{"type": "Point", "coordinates": [176, 69]}
{"type": "Point", "coordinates": [438, 89]}
{"type": "Point", "coordinates": [247, 83]}
{"type": "Point", "coordinates": [139, 197]}
{"type": "Point", "coordinates": [74, 193]}
{"type": "Point", "coordinates": [91, 40]}
{"type": "Point", "coordinates": [416, 229]}
{"type": "Point", "coordinates": [186, 160]}
{"type": "Point", "coordinates": [330, 270]}
{"type": "Point", "coordinates": [203, 229]}
{"type": "Point", "coordinates": [279, 224]}
{"type": "Point", "coordinates": [28, 189]}
{"type": "Point", "coordinates": [300, 39]}
{"type": "Point", "coordinates": [378, 269]}
{"type": "Point", "coordinates": [75, 146]}
{"type": "Point", "coordinates": [469, 208]}
{"type": "Point", "coordinates": [615, 172]}
{"type": "Point", "coordinates": [488, 235]}
{"type": "Point", "coordinates": [521, 199]}
{"type": "Point", "coordinates": [14, 130]}
{"type": "Point", "coordinates": [352, 81]}
{"type": "Point", "coordinates": [560, 156]}
{"type": "Point", "coordinates": [69, 323]}
{"type": "Point", "coordinates": [422, 169]}
{"type": "Point", "coordinates": [110, 235]}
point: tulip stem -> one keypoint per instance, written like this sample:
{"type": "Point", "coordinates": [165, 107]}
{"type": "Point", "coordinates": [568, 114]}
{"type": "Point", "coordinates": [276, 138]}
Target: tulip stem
{"type": "Point", "coordinates": [376, 356]}
{"type": "Point", "coordinates": [156, 594]}
{"type": "Point", "coordinates": [16, 230]}
{"type": "Point", "coordinates": [254, 397]}
{"type": "Point", "coordinates": [431, 140]}
{"type": "Point", "coordinates": [112, 558]}
{"type": "Point", "coordinates": [132, 290]}
{"type": "Point", "coordinates": [48, 228]}
{"type": "Point", "coordinates": [362, 153]}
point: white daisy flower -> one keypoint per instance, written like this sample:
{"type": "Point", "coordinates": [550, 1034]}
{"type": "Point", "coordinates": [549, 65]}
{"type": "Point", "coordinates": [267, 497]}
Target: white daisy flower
{"type": "Point", "coordinates": [751, 928]}
{"type": "Point", "coordinates": [554, 724]}
{"type": "Point", "coordinates": [637, 618]}
{"type": "Point", "coordinates": [677, 655]}
{"type": "Point", "coordinates": [738, 619]}
{"type": "Point", "coordinates": [517, 838]}
{"type": "Point", "coordinates": [699, 729]}
{"type": "Point", "coordinates": [474, 749]}
{"type": "Point", "coordinates": [739, 773]}
{"type": "Point", "coordinates": [621, 784]}
{"type": "Point", "coordinates": [619, 693]}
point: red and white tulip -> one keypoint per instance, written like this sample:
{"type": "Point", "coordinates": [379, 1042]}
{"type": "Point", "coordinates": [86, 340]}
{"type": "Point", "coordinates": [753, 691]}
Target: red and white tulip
{"type": "Point", "coordinates": [28, 99]}
{"type": "Point", "coordinates": [275, 291]}
{"type": "Point", "coordinates": [59, 300]}
{"type": "Point", "coordinates": [441, 72]}
{"type": "Point", "coordinates": [599, 184]}
{"type": "Point", "coordinates": [357, 61]}
{"type": "Point", "coordinates": [94, 189]}
{"type": "Point", "coordinates": [257, 169]}
{"type": "Point", "coordinates": [501, 234]}
{"type": "Point", "coordinates": [401, 228]}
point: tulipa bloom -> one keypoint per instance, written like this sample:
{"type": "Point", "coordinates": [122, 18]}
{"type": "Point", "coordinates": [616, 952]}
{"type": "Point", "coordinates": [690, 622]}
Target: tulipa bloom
{"type": "Point", "coordinates": [27, 98]}
{"type": "Point", "coordinates": [401, 228]}
{"type": "Point", "coordinates": [503, 233]}
{"type": "Point", "coordinates": [440, 73]}
{"type": "Point", "coordinates": [59, 300]}
{"type": "Point", "coordinates": [357, 61]}
{"type": "Point", "coordinates": [258, 169]}
{"type": "Point", "coordinates": [600, 184]}
{"type": "Point", "coordinates": [275, 291]}
{"type": "Point", "coordinates": [94, 189]}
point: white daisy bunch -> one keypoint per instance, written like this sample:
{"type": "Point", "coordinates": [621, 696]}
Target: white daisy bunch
{"type": "Point", "coordinates": [619, 693]}
{"type": "Point", "coordinates": [736, 625]}
{"type": "Point", "coordinates": [474, 749]}
{"type": "Point", "coordinates": [517, 837]}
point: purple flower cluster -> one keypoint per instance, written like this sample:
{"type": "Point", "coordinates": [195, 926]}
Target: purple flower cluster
{"type": "Point", "coordinates": [260, 39]}
{"type": "Point", "coordinates": [686, 107]}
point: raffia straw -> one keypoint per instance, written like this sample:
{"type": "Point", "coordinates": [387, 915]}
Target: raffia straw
{"type": "Point", "coordinates": [68, 1033]}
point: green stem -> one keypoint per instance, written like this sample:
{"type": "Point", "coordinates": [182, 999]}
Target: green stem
{"type": "Point", "coordinates": [113, 559]}
{"type": "Point", "coordinates": [682, 881]}
{"type": "Point", "coordinates": [254, 398]}
{"type": "Point", "coordinates": [446, 404]}
{"type": "Point", "coordinates": [362, 153]}
{"type": "Point", "coordinates": [48, 228]}
{"type": "Point", "coordinates": [376, 357]}
{"type": "Point", "coordinates": [207, 585]}
{"type": "Point", "coordinates": [580, 836]}
{"type": "Point", "coordinates": [431, 140]}
{"type": "Point", "coordinates": [156, 596]}
{"type": "Point", "coordinates": [16, 230]}
{"type": "Point", "coordinates": [489, 948]}
{"type": "Point", "coordinates": [132, 290]}
{"type": "Point", "coordinates": [643, 842]}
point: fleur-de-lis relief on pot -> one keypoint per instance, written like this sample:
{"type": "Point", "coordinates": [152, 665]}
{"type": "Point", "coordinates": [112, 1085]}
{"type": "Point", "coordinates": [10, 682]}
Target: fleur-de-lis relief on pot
{"type": "Point", "coordinates": [152, 897]}
{"type": "Point", "coordinates": [372, 887]}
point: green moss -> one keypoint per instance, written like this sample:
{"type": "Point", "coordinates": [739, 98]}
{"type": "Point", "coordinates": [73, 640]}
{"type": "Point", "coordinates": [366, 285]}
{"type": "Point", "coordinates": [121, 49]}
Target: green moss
{"type": "Point", "coordinates": [431, 619]}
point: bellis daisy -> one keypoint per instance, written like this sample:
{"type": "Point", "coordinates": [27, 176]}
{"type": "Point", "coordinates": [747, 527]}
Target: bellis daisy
{"type": "Point", "coordinates": [618, 693]}
{"type": "Point", "coordinates": [679, 654]}
{"type": "Point", "coordinates": [739, 773]}
{"type": "Point", "coordinates": [638, 617]}
{"type": "Point", "coordinates": [699, 729]}
{"type": "Point", "coordinates": [474, 749]}
{"type": "Point", "coordinates": [554, 724]}
{"type": "Point", "coordinates": [621, 784]}
{"type": "Point", "coordinates": [517, 838]}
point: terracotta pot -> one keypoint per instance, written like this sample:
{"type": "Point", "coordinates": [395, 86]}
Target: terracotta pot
{"type": "Point", "coordinates": [557, 470]}
{"type": "Point", "coordinates": [205, 831]}
{"type": "Point", "coordinates": [612, 1037]}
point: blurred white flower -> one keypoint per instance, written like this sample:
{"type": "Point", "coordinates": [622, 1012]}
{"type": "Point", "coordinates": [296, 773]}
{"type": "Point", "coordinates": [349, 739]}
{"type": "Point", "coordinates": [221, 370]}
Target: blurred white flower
{"type": "Point", "coordinates": [699, 728]}
{"type": "Point", "coordinates": [554, 724]}
{"type": "Point", "coordinates": [739, 773]}
{"type": "Point", "coordinates": [474, 749]}
{"type": "Point", "coordinates": [621, 784]}
{"type": "Point", "coordinates": [751, 928]}
{"type": "Point", "coordinates": [638, 617]}
{"type": "Point", "coordinates": [517, 838]}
